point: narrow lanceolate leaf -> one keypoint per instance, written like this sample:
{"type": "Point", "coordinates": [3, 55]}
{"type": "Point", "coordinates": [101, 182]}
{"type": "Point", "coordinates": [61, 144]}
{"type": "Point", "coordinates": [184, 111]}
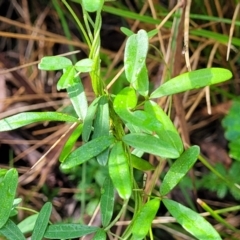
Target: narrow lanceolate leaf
{"type": "Point", "coordinates": [142, 83]}
{"type": "Point", "coordinates": [168, 129]}
{"type": "Point", "coordinates": [141, 164]}
{"type": "Point", "coordinates": [23, 119]}
{"type": "Point", "coordinates": [67, 231]}
{"type": "Point", "coordinates": [134, 61]}
{"type": "Point", "coordinates": [8, 188]}
{"type": "Point", "coordinates": [67, 79]}
{"type": "Point", "coordinates": [119, 171]}
{"type": "Point", "coordinates": [42, 222]}
{"type": "Point", "coordinates": [124, 102]}
{"type": "Point", "coordinates": [191, 221]}
{"type": "Point", "coordinates": [142, 222]}
{"type": "Point", "coordinates": [100, 235]}
{"type": "Point", "coordinates": [128, 32]}
{"type": "Point", "coordinates": [78, 98]}
{"type": "Point", "coordinates": [70, 143]}
{"type": "Point", "coordinates": [84, 65]}
{"type": "Point", "coordinates": [151, 144]}
{"type": "Point", "coordinates": [102, 127]}
{"type": "Point", "coordinates": [88, 121]}
{"type": "Point", "coordinates": [192, 80]}
{"type": "Point", "coordinates": [87, 151]}
{"type": "Point", "coordinates": [107, 201]}
{"type": "Point", "coordinates": [27, 225]}
{"type": "Point", "coordinates": [179, 168]}
{"type": "Point", "coordinates": [11, 231]}
{"type": "Point", "coordinates": [101, 122]}
{"type": "Point", "coordinates": [54, 63]}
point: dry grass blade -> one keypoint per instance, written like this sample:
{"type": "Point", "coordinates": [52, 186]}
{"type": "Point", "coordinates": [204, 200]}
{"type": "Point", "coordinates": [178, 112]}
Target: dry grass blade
{"type": "Point", "coordinates": [232, 29]}
{"type": "Point", "coordinates": [36, 62]}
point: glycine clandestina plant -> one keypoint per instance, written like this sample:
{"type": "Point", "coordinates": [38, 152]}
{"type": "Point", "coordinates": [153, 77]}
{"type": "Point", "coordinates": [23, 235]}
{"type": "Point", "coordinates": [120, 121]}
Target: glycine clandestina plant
{"type": "Point", "coordinates": [110, 127]}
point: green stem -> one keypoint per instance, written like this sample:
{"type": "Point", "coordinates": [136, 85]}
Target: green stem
{"type": "Point", "coordinates": [124, 207]}
{"type": "Point", "coordinates": [215, 215]}
{"type": "Point", "coordinates": [27, 209]}
{"type": "Point", "coordinates": [65, 26]}
{"type": "Point", "coordinates": [138, 204]}
{"type": "Point", "coordinates": [94, 54]}
{"type": "Point", "coordinates": [83, 194]}
{"type": "Point", "coordinates": [228, 209]}
{"type": "Point", "coordinates": [86, 18]}
{"type": "Point", "coordinates": [78, 22]}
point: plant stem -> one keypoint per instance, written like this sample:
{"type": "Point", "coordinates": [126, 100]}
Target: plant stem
{"type": "Point", "coordinates": [215, 215]}
{"type": "Point", "coordinates": [125, 203]}
{"type": "Point", "coordinates": [78, 22]}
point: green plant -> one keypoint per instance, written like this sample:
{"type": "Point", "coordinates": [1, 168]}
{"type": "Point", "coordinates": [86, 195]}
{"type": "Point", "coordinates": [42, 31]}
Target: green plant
{"type": "Point", "coordinates": [231, 176]}
{"type": "Point", "coordinates": [220, 186]}
{"type": "Point", "coordinates": [110, 127]}
{"type": "Point", "coordinates": [232, 130]}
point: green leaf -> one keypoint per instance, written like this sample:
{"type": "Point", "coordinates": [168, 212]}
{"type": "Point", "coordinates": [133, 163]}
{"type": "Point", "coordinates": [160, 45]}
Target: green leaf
{"type": "Point", "coordinates": [27, 225]}
{"type": "Point", "coordinates": [191, 221]}
{"type": "Point", "coordinates": [54, 63]}
{"type": "Point", "coordinates": [100, 235]}
{"type": "Point", "coordinates": [2, 173]}
{"type": "Point", "coordinates": [14, 211]}
{"type": "Point", "coordinates": [135, 54]}
{"type": "Point", "coordinates": [87, 151]}
{"type": "Point", "coordinates": [168, 133]}
{"type": "Point", "coordinates": [70, 143]}
{"type": "Point", "coordinates": [88, 121]}
{"type": "Point", "coordinates": [42, 222]}
{"type": "Point", "coordinates": [178, 170]}
{"type": "Point", "coordinates": [66, 231]}
{"type": "Point", "coordinates": [128, 32]}
{"type": "Point", "coordinates": [217, 185]}
{"type": "Point", "coordinates": [102, 127]}
{"type": "Point", "coordinates": [23, 119]}
{"type": "Point", "coordinates": [127, 100]}
{"type": "Point", "coordinates": [134, 61]}
{"type": "Point", "coordinates": [234, 149]}
{"type": "Point", "coordinates": [78, 98]}
{"type": "Point", "coordinates": [119, 171]}
{"type": "Point", "coordinates": [107, 201]}
{"type": "Point", "coordinates": [84, 65]}
{"type": "Point", "coordinates": [151, 144]}
{"type": "Point", "coordinates": [192, 80]}
{"type": "Point", "coordinates": [232, 130]}
{"type": "Point", "coordinates": [152, 33]}
{"type": "Point", "coordinates": [8, 188]}
{"type": "Point", "coordinates": [144, 121]}
{"type": "Point", "coordinates": [11, 231]}
{"type": "Point", "coordinates": [101, 122]}
{"type": "Point", "coordinates": [67, 79]}
{"type": "Point", "coordinates": [141, 164]}
{"type": "Point", "coordinates": [16, 202]}
{"type": "Point", "coordinates": [143, 220]}
{"type": "Point", "coordinates": [142, 83]}
{"type": "Point", "coordinates": [92, 5]}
